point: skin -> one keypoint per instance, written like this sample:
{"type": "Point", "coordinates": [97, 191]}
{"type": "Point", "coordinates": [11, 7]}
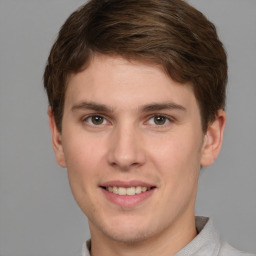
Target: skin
{"type": "Point", "coordinates": [126, 143]}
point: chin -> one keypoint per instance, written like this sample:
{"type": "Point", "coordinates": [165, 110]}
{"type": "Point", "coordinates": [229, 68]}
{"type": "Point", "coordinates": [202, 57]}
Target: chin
{"type": "Point", "coordinates": [128, 232]}
{"type": "Point", "coordinates": [129, 236]}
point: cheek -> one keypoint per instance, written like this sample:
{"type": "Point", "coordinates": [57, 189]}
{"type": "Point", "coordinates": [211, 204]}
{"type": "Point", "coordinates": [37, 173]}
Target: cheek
{"type": "Point", "coordinates": [176, 151]}
{"type": "Point", "coordinates": [177, 158]}
{"type": "Point", "coordinates": [80, 148]}
{"type": "Point", "coordinates": [82, 159]}
{"type": "Point", "coordinates": [83, 168]}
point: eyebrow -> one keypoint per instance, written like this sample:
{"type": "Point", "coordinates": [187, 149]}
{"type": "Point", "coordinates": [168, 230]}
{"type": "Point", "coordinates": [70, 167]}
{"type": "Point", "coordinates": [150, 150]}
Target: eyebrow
{"type": "Point", "coordinates": [92, 106]}
{"type": "Point", "coordinates": [146, 108]}
{"type": "Point", "coordinates": [162, 106]}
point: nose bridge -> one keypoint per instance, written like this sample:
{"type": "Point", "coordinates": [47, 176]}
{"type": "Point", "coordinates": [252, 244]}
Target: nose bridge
{"type": "Point", "coordinates": [126, 149]}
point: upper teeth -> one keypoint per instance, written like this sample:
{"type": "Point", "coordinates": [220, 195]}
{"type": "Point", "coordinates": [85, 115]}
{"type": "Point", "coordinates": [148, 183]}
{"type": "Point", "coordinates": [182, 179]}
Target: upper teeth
{"type": "Point", "coordinates": [127, 191]}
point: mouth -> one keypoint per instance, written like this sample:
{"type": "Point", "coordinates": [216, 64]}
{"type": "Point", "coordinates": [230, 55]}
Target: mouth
{"type": "Point", "coordinates": [127, 194]}
{"type": "Point", "coordinates": [128, 191]}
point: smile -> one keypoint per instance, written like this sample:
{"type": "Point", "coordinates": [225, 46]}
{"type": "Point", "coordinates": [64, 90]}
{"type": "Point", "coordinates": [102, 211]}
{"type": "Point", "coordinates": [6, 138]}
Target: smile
{"type": "Point", "coordinates": [127, 194]}
{"type": "Point", "coordinates": [131, 191]}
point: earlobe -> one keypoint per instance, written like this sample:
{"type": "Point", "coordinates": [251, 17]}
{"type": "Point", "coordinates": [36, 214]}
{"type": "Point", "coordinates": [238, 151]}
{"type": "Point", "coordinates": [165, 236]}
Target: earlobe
{"type": "Point", "coordinates": [213, 139]}
{"type": "Point", "coordinates": [56, 140]}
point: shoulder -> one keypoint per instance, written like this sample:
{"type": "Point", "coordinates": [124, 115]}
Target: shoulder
{"type": "Point", "coordinates": [228, 250]}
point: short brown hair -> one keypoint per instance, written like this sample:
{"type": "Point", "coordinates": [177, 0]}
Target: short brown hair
{"type": "Point", "coordinates": [167, 32]}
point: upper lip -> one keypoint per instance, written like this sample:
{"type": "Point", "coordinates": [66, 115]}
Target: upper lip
{"type": "Point", "coordinates": [126, 184]}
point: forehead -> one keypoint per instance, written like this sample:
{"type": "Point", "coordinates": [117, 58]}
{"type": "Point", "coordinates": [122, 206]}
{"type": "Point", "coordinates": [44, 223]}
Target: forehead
{"type": "Point", "coordinates": [115, 80]}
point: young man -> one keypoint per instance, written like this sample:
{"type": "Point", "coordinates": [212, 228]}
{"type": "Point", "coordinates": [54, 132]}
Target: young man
{"type": "Point", "coordinates": [137, 93]}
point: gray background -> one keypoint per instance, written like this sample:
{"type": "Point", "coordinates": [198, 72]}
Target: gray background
{"type": "Point", "coordinates": [38, 216]}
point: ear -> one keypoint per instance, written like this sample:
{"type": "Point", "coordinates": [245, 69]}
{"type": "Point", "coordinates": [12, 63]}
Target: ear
{"type": "Point", "coordinates": [213, 139]}
{"type": "Point", "coordinates": [56, 140]}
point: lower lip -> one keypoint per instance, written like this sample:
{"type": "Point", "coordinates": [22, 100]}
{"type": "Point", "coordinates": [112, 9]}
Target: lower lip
{"type": "Point", "coordinates": [127, 201]}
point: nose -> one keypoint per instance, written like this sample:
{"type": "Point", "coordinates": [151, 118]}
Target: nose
{"type": "Point", "coordinates": [126, 149]}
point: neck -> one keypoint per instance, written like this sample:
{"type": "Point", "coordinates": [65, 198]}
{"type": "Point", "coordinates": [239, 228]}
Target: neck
{"type": "Point", "coordinates": [169, 242]}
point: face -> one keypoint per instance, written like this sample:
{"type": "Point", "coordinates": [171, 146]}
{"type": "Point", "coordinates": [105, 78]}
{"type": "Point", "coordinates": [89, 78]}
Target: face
{"type": "Point", "coordinates": [133, 145]}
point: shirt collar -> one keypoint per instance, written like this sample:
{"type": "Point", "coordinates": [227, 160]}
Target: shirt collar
{"type": "Point", "coordinates": [207, 242]}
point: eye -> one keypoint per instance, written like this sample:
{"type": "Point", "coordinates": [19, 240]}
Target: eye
{"type": "Point", "coordinates": [158, 120]}
{"type": "Point", "coordinates": [95, 120]}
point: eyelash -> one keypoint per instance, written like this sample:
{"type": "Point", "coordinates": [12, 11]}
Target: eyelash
{"type": "Point", "coordinates": [106, 121]}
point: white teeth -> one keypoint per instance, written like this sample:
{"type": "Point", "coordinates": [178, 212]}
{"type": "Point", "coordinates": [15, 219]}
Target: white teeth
{"type": "Point", "coordinates": [130, 191]}
{"type": "Point", "coordinates": [143, 189]}
{"type": "Point", "coordinates": [138, 190]}
{"type": "Point", "coordinates": [127, 191]}
{"type": "Point", "coordinates": [115, 190]}
{"type": "Point", "coordinates": [121, 191]}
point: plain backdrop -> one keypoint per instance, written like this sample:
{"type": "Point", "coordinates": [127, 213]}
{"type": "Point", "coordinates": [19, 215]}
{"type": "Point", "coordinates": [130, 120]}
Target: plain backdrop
{"type": "Point", "coordinates": [38, 216]}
